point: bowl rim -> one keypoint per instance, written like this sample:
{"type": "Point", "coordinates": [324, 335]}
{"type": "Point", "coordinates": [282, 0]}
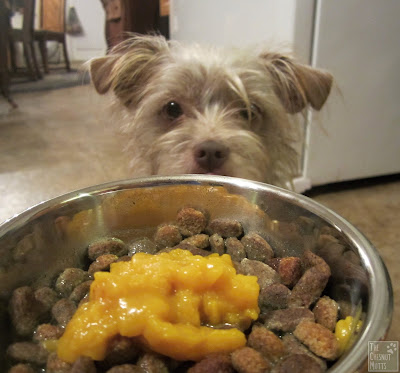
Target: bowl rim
{"type": "Point", "coordinates": [379, 280]}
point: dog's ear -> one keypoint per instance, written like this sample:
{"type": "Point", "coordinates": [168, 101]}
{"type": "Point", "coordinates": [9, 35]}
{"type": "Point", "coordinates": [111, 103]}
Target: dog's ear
{"type": "Point", "coordinates": [100, 72]}
{"type": "Point", "coordinates": [297, 85]}
{"type": "Point", "coordinates": [128, 66]}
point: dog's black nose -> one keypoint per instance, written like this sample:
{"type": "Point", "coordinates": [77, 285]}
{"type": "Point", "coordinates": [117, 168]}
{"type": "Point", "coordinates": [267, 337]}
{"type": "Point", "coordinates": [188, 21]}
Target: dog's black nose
{"type": "Point", "coordinates": [210, 155]}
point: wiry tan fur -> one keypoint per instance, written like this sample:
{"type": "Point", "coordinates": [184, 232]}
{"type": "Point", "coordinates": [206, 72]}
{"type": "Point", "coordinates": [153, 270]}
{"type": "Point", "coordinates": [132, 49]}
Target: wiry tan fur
{"type": "Point", "coordinates": [213, 87]}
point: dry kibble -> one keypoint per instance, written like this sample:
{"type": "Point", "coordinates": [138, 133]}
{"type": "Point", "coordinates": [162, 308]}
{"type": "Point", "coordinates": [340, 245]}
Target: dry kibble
{"type": "Point", "coordinates": [235, 249]}
{"type": "Point", "coordinates": [326, 312]}
{"type": "Point", "coordinates": [248, 360]}
{"type": "Point", "coordinates": [167, 236]}
{"type": "Point", "coordinates": [294, 347]}
{"type": "Point", "coordinates": [83, 365]}
{"type": "Point", "coordinates": [220, 363]}
{"type": "Point", "coordinates": [191, 221]}
{"type": "Point", "coordinates": [217, 244]}
{"type": "Point", "coordinates": [275, 296]}
{"type": "Point", "coordinates": [56, 365]}
{"type": "Point", "coordinates": [310, 286]}
{"type": "Point", "coordinates": [266, 342]}
{"type": "Point", "coordinates": [299, 363]}
{"type": "Point", "coordinates": [102, 263]}
{"type": "Point", "coordinates": [48, 331]}
{"type": "Point", "coordinates": [63, 311]}
{"type": "Point", "coordinates": [286, 320]}
{"type": "Point", "coordinates": [201, 241]}
{"type": "Point", "coordinates": [290, 270]}
{"type": "Point", "coordinates": [46, 298]}
{"type": "Point", "coordinates": [256, 247]}
{"type": "Point", "coordinates": [318, 339]}
{"type": "Point", "coordinates": [121, 350]}
{"type": "Point", "coordinates": [226, 227]}
{"type": "Point", "coordinates": [69, 279]}
{"type": "Point", "coordinates": [81, 291]}
{"type": "Point", "coordinates": [265, 274]}
{"type": "Point", "coordinates": [21, 368]}
{"type": "Point", "coordinates": [144, 245]}
{"type": "Point", "coordinates": [125, 368]}
{"type": "Point", "coordinates": [24, 310]}
{"type": "Point", "coordinates": [152, 363]}
{"type": "Point", "coordinates": [27, 352]}
{"type": "Point", "coordinates": [107, 246]}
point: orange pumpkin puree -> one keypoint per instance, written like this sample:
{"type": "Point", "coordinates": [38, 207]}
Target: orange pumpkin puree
{"type": "Point", "coordinates": [171, 301]}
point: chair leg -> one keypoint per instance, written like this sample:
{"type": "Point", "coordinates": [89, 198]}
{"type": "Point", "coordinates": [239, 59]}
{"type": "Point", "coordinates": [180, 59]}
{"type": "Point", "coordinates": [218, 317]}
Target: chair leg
{"type": "Point", "coordinates": [28, 60]}
{"type": "Point", "coordinates": [35, 62]}
{"type": "Point", "coordinates": [43, 52]}
{"type": "Point", "coordinates": [66, 55]}
{"type": "Point", "coordinates": [12, 56]}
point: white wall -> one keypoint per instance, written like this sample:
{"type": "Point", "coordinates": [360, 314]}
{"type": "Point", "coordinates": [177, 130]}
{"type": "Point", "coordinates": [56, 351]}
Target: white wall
{"type": "Point", "coordinates": [92, 42]}
{"type": "Point", "coordinates": [233, 22]}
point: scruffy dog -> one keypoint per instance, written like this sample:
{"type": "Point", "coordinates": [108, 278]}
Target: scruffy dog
{"type": "Point", "coordinates": [196, 110]}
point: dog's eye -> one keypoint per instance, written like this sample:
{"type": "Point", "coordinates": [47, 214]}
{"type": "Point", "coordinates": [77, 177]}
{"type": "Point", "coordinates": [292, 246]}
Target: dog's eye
{"type": "Point", "coordinates": [173, 110]}
{"type": "Point", "coordinates": [249, 114]}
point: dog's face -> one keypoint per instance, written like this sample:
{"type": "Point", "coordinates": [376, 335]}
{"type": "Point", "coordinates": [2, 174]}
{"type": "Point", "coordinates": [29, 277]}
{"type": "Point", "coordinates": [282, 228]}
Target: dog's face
{"type": "Point", "coordinates": [201, 110]}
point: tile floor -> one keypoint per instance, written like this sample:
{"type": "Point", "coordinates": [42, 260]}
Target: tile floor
{"type": "Point", "coordinates": [58, 141]}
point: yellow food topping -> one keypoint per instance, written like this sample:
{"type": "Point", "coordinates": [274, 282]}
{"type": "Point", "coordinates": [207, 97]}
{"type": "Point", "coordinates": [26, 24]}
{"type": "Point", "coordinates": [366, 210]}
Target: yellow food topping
{"type": "Point", "coordinates": [345, 330]}
{"type": "Point", "coordinates": [170, 301]}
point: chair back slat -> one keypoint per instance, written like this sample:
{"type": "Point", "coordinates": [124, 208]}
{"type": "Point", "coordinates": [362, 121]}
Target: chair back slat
{"type": "Point", "coordinates": [53, 15]}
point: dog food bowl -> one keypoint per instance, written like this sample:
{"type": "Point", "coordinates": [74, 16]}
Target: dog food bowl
{"type": "Point", "coordinates": [38, 244]}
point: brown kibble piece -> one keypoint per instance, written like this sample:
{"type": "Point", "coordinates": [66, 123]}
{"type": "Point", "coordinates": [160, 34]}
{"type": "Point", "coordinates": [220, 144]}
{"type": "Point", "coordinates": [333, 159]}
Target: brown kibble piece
{"type": "Point", "coordinates": [69, 279]}
{"type": "Point", "coordinates": [107, 246]}
{"type": "Point", "coordinates": [286, 320]}
{"type": "Point", "coordinates": [235, 249]}
{"type": "Point", "coordinates": [121, 350]}
{"type": "Point", "coordinates": [217, 244]}
{"type": "Point", "coordinates": [273, 297]}
{"type": "Point", "coordinates": [198, 240]}
{"type": "Point", "coordinates": [21, 368]}
{"type": "Point", "coordinates": [152, 363]}
{"type": "Point", "coordinates": [125, 368]}
{"type": "Point", "coordinates": [226, 227]}
{"type": "Point", "coordinates": [63, 311]}
{"type": "Point", "coordinates": [102, 263]}
{"type": "Point", "coordinates": [290, 270]}
{"type": "Point", "coordinates": [47, 331]}
{"type": "Point", "coordinates": [248, 360]}
{"type": "Point", "coordinates": [24, 311]}
{"type": "Point", "coordinates": [299, 363]}
{"type": "Point", "coordinates": [220, 363]}
{"type": "Point", "coordinates": [265, 274]}
{"type": "Point", "coordinates": [293, 346]}
{"type": "Point", "coordinates": [310, 286]}
{"type": "Point", "coordinates": [191, 221]}
{"type": "Point", "coordinates": [81, 291]}
{"type": "Point", "coordinates": [56, 365]}
{"type": "Point", "coordinates": [326, 312]}
{"type": "Point", "coordinates": [167, 235]}
{"type": "Point", "coordinates": [46, 298]}
{"type": "Point", "coordinates": [266, 342]}
{"type": "Point", "coordinates": [256, 247]}
{"type": "Point", "coordinates": [27, 352]}
{"type": "Point", "coordinates": [83, 365]}
{"type": "Point", "coordinates": [318, 339]}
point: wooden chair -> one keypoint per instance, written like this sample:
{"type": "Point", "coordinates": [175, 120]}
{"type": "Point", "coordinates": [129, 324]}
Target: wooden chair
{"type": "Point", "coordinates": [52, 29]}
{"type": "Point", "coordinates": [25, 35]}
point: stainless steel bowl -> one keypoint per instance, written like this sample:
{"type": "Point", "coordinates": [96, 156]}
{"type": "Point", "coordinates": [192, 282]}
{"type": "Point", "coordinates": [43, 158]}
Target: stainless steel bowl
{"type": "Point", "coordinates": [37, 244]}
